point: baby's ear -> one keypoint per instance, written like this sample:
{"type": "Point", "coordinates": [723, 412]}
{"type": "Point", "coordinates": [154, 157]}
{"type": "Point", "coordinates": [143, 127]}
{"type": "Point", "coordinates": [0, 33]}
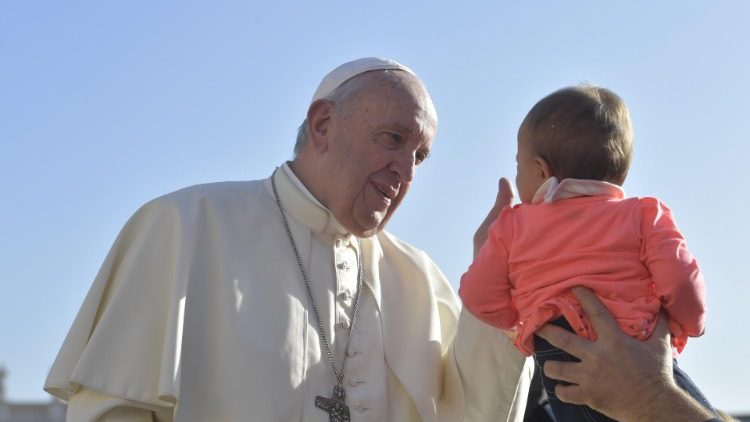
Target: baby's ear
{"type": "Point", "coordinates": [542, 168]}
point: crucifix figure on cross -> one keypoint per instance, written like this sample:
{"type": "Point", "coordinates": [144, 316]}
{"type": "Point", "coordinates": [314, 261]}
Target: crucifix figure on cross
{"type": "Point", "coordinates": [336, 406]}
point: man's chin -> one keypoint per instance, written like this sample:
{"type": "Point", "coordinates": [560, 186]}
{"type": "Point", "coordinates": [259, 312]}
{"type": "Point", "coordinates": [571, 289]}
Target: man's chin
{"type": "Point", "coordinates": [371, 227]}
{"type": "Point", "coordinates": [367, 232]}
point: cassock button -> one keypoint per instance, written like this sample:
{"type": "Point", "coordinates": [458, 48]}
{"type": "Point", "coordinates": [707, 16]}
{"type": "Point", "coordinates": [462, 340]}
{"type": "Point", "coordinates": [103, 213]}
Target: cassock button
{"type": "Point", "coordinates": [359, 407]}
{"type": "Point", "coordinates": [338, 243]}
{"type": "Point", "coordinates": [343, 266]}
{"type": "Point", "coordinates": [344, 324]}
{"type": "Point", "coordinates": [353, 382]}
{"type": "Point", "coordinates": [350, 353]}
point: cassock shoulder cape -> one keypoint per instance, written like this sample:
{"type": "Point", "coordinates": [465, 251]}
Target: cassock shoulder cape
{"type": "Point", "coordinates": [199, 305]}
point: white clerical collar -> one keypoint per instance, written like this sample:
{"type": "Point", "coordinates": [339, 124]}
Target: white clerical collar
{"type": "Point", "coordinates": [302, 204]}
{"type": "Point", "coordinates": [552, 190]}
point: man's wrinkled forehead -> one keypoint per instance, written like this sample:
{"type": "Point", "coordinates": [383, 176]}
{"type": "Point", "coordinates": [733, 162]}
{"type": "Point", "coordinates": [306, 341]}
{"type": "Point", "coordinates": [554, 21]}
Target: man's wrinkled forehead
{"type": "Point", "coordinates": [402, 94]}
{"type": "Point", "coordinates": [348, 70]}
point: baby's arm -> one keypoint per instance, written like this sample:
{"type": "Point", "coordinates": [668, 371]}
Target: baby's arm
{"type": "Point", "coordinates": [485, 287]}
{"type": "Point", "coordinates": [678, 282]}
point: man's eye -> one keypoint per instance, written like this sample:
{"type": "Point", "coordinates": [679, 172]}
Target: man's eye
{"type": "Point", "coordinates": [390, 140]}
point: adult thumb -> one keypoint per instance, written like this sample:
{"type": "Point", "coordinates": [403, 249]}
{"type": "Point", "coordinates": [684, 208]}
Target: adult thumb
{"type": "Point", "coordinates": [505, 194]}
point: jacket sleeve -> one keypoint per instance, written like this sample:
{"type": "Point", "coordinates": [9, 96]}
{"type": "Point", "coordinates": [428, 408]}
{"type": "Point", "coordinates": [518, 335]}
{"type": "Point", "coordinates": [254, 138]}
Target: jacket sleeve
{"type": "Point", "coordinates": [494, 375]}
{"type": "Point", "coordinates": [485, 288]}
{"type": "Point", "coordinates": [453, 366]}
{"type": "Point", "coordinates": [484, 376]}
{"type": "Point", "coordinates": [678, 282]}
{"type": "Point", "coordinates": [87, 405]}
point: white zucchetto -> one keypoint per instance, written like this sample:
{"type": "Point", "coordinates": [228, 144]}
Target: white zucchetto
{"type": "Point", "coordinates": [348, 70]}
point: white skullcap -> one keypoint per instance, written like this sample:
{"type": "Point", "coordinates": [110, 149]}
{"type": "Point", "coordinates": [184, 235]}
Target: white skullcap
{"type": "Point", "coordinates": [348, 70]}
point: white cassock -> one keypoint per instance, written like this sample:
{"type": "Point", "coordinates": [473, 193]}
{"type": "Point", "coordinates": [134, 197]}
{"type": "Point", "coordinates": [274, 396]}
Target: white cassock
{"type": "Point", "coordinates": [199, 313]}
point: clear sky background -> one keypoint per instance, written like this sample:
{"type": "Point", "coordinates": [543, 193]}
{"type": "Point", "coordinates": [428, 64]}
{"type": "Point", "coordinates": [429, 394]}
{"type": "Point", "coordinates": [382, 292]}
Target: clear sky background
{"type": "Point", "coordinates": [105, 105]}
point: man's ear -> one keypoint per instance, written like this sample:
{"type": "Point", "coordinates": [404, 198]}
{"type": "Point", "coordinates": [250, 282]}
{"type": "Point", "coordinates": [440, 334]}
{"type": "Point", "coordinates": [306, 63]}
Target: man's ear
{"type": "Point", "coordinates": [318, 125]}
{"type": "Point", "coordinates": [542, 168]}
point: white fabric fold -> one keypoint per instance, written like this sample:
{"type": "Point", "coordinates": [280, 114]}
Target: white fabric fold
{"type": "Point", "coordinates": [199, 307]}
{"type": "Point", "coordinates": [552, 190]}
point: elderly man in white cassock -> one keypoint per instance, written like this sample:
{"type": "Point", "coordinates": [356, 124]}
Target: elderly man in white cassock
{"type": "Point", "coordinates": [284, 299]}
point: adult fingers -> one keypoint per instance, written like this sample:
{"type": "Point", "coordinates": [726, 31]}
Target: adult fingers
{"type": "Point", "coordinates": [571, 394]}
{"type": "Point", "coordinates": [505, 193]}
{"type": "Point", "coordinates": [565, 340]}
{"type": "Point", "coordinates": [503, 198]}
{"type": "Point", "coordinates": [660, 338]}
{"type": "Point", "coordinates": [562, 371]}
{"type": "Point", "coordinates": [603, 322]}
{"type": "Point", "coordinates": [661, 331]}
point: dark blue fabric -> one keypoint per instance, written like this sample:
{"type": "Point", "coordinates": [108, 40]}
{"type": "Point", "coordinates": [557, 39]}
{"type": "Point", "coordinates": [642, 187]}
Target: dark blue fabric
{"type": "Point", "coordinates": [566, 412]}
{"type": "Point", "coordinates": [682, 379]}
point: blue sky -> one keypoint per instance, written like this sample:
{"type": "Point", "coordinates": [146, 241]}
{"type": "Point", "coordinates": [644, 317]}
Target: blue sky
{"type": "Point", "coordinates": [105, 105]}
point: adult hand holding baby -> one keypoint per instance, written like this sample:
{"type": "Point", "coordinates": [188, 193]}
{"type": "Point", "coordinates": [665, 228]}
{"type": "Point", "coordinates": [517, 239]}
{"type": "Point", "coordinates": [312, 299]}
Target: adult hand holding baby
{"type": "Point", "coordinates": [576, 223]}
{"type": "Point", "coordinates": [619, 376]}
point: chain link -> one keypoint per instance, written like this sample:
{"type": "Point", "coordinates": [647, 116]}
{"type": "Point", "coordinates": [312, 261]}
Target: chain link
{"type": "Point", "coordinates": [360, 277]}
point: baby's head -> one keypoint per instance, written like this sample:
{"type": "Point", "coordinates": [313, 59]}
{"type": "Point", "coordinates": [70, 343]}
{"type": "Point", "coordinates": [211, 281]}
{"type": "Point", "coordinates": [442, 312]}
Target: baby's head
{"type": "Point", "coordinates": [579, 132]}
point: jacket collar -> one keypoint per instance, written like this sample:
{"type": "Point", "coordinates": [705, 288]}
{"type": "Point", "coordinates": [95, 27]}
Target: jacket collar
{"type": "Point", "coordinates": [552, 190]}
{"type": "Point", "coordinates": [301, 204]}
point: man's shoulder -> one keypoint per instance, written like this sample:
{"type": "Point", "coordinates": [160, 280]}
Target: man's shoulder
{"type": "Point", "coordinates": [217, 191]}
{"type": "Point", "coordinates": [188, 203]}
{"type": "Point", "coordinates": [210, 194]}
{"type": "Point", "coordinates": [391, 243]}
{"type": "Point", "coordinates": [386, 236]}
{"type": "Point", "coordinates": [415, 265]}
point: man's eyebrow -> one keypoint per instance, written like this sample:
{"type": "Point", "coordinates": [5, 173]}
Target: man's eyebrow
{"type": "Point", "coordinates": [406, 129]}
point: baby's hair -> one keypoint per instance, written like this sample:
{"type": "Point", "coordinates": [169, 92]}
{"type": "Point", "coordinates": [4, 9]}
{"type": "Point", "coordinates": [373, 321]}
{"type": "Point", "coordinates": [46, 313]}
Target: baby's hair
{"type": "Point", "coordinates": [582, 132]}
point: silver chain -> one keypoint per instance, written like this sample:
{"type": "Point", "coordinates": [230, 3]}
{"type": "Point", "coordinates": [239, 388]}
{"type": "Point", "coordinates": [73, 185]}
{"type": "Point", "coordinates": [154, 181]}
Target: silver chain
{"type": "Point", "coordinates": [360, 277]}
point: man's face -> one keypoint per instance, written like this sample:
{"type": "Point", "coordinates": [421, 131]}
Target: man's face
{"type": "Point", "coordinates": [376, 142]}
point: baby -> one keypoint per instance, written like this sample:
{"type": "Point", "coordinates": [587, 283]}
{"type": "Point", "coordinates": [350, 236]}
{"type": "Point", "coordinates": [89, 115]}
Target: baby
{"type": "Point", "coordinates": [575, 227]}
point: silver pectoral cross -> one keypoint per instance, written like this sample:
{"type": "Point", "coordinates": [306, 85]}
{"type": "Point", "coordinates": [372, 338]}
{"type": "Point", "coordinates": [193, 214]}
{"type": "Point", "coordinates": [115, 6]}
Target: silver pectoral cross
{"type": "Point", "coordinates": [336, 406]}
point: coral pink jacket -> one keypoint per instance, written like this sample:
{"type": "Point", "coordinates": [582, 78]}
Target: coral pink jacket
{"type": "Point", "coordinates": [628, 251]}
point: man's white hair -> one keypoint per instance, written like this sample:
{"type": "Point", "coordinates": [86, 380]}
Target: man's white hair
{"type": "Point", "coordinates": [339, 85]}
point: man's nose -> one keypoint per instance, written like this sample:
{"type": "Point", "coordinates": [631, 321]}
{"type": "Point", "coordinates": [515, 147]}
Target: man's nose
{"type": "Point", "coordinates": [404, 165]}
